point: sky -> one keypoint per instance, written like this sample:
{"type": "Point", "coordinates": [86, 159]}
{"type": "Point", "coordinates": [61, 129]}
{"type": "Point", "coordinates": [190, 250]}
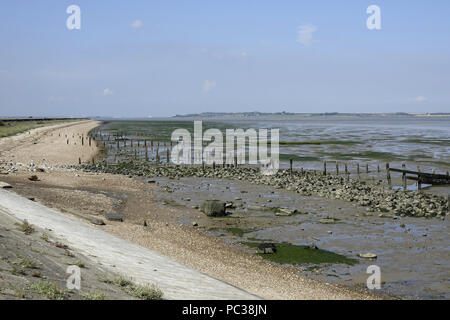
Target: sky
{"type": "Point", "coordinates": [161, 58]}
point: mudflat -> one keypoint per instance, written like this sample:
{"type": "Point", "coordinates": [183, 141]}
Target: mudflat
{"type": "Point", "coordinates": [73, 191]}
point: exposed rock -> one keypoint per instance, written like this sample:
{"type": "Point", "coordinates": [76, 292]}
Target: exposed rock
{"type": "Point", "coordinates": [5, 185]}
{"type": "Point", "coordinates": [375, 196]}
{"type": "Point", "coordinates": [285, 212]}
{"type": "Point", "coordinates": [213, 208]}
{"type": "Point", "coordinates": [114, 217]}
{"type": "Point", "coordinates": [327, 221]}
{"type": "Point", "coordinates": [267, 248]}
{"type": "Point", "coordinates": [367, 255]}
{"type": "Point", "coordinates": [33, 178]}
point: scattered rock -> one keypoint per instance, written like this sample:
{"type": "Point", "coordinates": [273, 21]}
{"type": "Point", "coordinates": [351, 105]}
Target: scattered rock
{"type": "Point", "coordinates": [285, 212]}
{"type": "Point", "coordinates": [213, 208]}
{"type": "Point", "coordinates": [114, 217]}
{"type": "Point", "coordinates": [5, 185]}
{"type": "Point", "coordinates": [313, 246]}
{"type": "Point", "coordinates": [195, 224]}
{"type": "Point", "coordinates": [267, 248]}
{"type": "Point", "coordinates": [367, 255]}
{"type": "Point", "coordinates": [327, 221]}
{"type": "Point", "coordinates": [33, 178]}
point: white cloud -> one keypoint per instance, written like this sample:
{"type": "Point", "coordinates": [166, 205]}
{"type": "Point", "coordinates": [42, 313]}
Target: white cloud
{"type": "Point", "coordinates": [420, 99]}
{"type": "Point", "coordinates": [305, 34]}
{"type": "Point", "coordinates": [137, 24]}
{"type": "Point", "coordinates": [244, 54]}
{"type": "Point", "coordinates": [208, 85]}
{"type": "Point", "coordinates": [107, 92]}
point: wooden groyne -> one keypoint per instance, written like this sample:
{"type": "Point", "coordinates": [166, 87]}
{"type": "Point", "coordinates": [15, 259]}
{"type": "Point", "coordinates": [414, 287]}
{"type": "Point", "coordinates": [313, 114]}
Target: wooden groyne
{"type": "Point", "coordinates": [148, 149]}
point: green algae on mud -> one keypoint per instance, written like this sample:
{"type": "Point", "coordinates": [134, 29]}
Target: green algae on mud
{"type": "Point", "coordinates": [295, 254]}
{"type": "Point", "coordinates": [287, 156]}
{"type": "Point", "coordinates": [319, 142]}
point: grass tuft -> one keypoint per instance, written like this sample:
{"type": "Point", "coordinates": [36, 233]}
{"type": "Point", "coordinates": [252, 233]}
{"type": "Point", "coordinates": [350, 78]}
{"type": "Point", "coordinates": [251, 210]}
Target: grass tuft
{"type": "Point", "coordinates": [48, 290]}
{"type": "Point", "coordinates": [144, 292]}
{"type": "Point", "coordinates": [26, 228]}
{"type": "Point", "coordinates": [94, 296]}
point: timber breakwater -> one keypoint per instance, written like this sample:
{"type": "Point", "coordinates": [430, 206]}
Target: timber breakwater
{"type": "Point", "coordinates": [375, 196]}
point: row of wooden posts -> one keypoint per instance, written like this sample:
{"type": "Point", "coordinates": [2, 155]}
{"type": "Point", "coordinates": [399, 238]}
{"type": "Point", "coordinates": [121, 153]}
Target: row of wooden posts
{"type": "Point", "coordinates": [430, 178]}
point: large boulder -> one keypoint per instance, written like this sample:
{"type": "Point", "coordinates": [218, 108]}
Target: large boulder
{"type": "Point", "coordinates": [213, 208]}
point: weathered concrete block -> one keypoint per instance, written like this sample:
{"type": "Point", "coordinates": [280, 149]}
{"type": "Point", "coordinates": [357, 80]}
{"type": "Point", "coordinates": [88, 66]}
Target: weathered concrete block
{"type": "Point", "coordinates": [213, 208]}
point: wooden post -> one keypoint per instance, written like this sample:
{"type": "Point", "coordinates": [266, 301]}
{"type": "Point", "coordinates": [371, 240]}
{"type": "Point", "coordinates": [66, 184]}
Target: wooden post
{"type": "Point", "coordinates": [79, 160]}
{"type": "Point", "coordinates": [146, 154]}
{"type": "Point", "coordinates": [89, 141]}
{"type": "Point", "coordinates": [388, 173]}
{"type": "Point", "coordinates": [378, 168]}
{"type": "Point", "coordinates": [82, 141]}
{"type": "Point", "coordinates": [167, 155]}
{"type": "Point", "coordinates": [367, 168]}
{"type": "Point", "coordinates": [337, 168]}
{"type": "Point", "coordinates": [324, 168]}
{"type": "Point", "coordinates": [290, 164]}
{"type": "Point", "coordinates": [67, 141]}
{"type": "Point", "coordinates": [419, 183]}
{"type": "Point", "coordinates": [235, 161]}
{"type": "Point", "coordinates": [214, 166]}
{"type": "Point", "coordinates": [404, 176]}
{"type": "Point", "coordinates": [93, 161]}
{"type": "Point", "coordinates": [448, 202]}
{"type": "Point", "coordinates": [357, 169]}
{"type": "Point", "coordinates": [145, 143]}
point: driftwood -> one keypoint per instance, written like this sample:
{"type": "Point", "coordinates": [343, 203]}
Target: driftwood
{"type": "Point", "coordinates": [427, 178]}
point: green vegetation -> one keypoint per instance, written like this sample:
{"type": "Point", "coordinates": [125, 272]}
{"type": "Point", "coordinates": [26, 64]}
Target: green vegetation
{"type": "Point", "coordinates": [236, 231]}
{"type": "Point", "coordinates": [294, 254]}
{"type": "Point", "coordinates": [26, 228]}
{"type": "Point", "coordinates": [94, 296]}
{"type": "Point", "coordinates": [45, 237]}
{"type": "Point", "coordinates": [10, 128]}
{"type": "Point", "coordinates": [48, 290]}
{"type": "Point", "coordinates": [319, 142]}
{"type": "Point", "coordinates": [440, 142]}
{"type": "Point", "coordinates": [371, 155]}
{"type": "Point", "coordinates": [79, 264]}
{"type": "Point", "coordinates": [26, 263]}
{"type": "Point", "coordinates": [287, 156]}
{"type": "Point", "coordinates": [144, 292]}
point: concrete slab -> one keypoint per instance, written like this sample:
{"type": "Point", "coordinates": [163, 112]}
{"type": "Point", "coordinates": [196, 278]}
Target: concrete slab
{"type": "Point", "coordinates": [177, 281]}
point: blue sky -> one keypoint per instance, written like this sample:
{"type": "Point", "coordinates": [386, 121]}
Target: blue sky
{"type": "Point", "coordinates": [160, 58]}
